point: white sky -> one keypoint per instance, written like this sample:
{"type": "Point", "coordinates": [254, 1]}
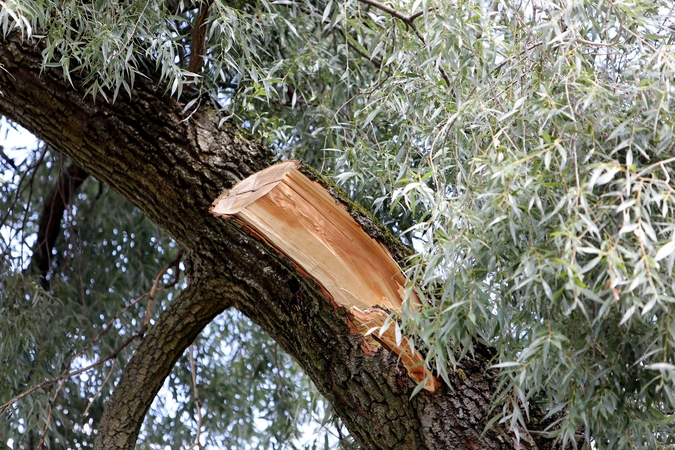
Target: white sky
{"type": "Point", "coordinates": [15, 140]}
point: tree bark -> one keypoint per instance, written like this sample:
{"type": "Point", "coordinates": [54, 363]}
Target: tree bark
{"type": "Point", "coordinates": [172, 168]}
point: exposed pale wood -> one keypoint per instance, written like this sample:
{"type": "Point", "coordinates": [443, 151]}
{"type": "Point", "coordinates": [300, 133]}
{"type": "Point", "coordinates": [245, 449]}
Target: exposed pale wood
{"type": "Point", "coordinates": [413, 362]}
{"type": "Point", "coordinates": [304, 222]}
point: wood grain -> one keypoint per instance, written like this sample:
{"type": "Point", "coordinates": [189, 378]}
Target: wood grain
{"type": "Point", "coordinates": [304, 222]}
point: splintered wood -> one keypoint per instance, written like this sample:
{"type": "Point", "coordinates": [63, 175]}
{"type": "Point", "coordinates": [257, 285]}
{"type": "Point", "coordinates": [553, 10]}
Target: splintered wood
{"type": "Point", "coordinates": [303, 221]}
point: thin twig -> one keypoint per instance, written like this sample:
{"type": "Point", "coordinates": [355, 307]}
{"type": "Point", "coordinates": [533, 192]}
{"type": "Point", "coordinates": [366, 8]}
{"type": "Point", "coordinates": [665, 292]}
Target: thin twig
{"type": "Point", "coordinates": [596, 44]}
{"type": "Point", "coordinates": [198, 403]}
{"type": "Point", "coordinates": [7, 159]}
{"type": "Point", "coordinates": [419, 13]}
{"type": "Point", "coordinates": [19, 193]}
{"type": "Point", "coordinates": [65, 375]}
{"type": "Point", "coordinates": [350, 42]}
{"type": "Point", "coordinates": [391, 11]}
{"type": "Point", "coordinates": [107, 327]}
{"type": "Point", "coordinates": [196, 108]}
{"type": "Point", "coordinates": [510, 58]}
{"type": "Point", "coordinates": [133, 31]}
{"type": "Point", "coordinates": [358, 94]}
{"type": "Point", "coordinates": [51, 381]}
{"type": "Point", "coordinates": [112, 368]}
{"type": "Point", "coordinates": [50, 408]}
{"type": "Point", "coordinates": [153, 291]}
{"type": "Point", "coordinates": [409, 21]}
{"type": "Point", "coordinates": [578, 437]}
{"type": "Point", "coordinates": [655, 165]}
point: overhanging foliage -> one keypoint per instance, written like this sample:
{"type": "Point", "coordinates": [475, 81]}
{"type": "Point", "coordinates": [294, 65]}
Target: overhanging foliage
{"type": "Point", "coordinates": [523, 148]}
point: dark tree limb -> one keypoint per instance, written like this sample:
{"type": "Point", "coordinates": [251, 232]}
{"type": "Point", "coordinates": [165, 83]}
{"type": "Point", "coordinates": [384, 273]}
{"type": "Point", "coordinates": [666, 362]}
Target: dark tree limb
{"type": "Point", "coordinates": [49, 226]}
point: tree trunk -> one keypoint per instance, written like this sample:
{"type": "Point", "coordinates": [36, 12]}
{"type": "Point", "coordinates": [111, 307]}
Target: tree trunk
{"type": "Point", "coordinates": [173, 168]}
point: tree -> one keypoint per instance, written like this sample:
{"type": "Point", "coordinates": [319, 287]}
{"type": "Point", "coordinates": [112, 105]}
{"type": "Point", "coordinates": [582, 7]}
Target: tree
{"type": "Point", "coordinates": [524, 151]}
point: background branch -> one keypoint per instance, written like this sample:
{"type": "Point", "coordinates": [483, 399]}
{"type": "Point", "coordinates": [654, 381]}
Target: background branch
{"type": "Point", "coordinates": [49, 226]}
{"type": "Point", "coordinates": [198, 46]}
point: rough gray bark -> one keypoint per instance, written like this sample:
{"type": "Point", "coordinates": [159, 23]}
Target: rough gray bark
{"type": "Point", "coordinates": [172, 169]}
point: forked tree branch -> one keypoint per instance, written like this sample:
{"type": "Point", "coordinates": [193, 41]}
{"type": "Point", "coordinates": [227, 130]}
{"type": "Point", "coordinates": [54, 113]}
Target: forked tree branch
{"type": "Point", "coordinates": [173, 170]}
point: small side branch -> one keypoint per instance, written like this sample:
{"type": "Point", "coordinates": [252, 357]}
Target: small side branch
{"type": "Point", "coordinates": [68, 375]}
{"type": "Point", "coordinates": [176, 328]}
{"type": "Point", "coordinates": [353, 45]}
{"type": "Point", "coordinates": [198, 403]}
{"type": "Point", "coordinates": [409, 21]}
{"type": "Point", "coordinates": [155, 285]}
{"type": "Point", "coordinates": [65, 375]}
{"type": "Point", "coordinates": [7, 159]}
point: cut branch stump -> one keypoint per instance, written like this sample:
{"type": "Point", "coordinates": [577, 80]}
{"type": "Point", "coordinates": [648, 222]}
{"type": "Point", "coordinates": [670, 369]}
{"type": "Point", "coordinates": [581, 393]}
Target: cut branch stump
{"type": "Point", "coordinates": [300, 219]}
